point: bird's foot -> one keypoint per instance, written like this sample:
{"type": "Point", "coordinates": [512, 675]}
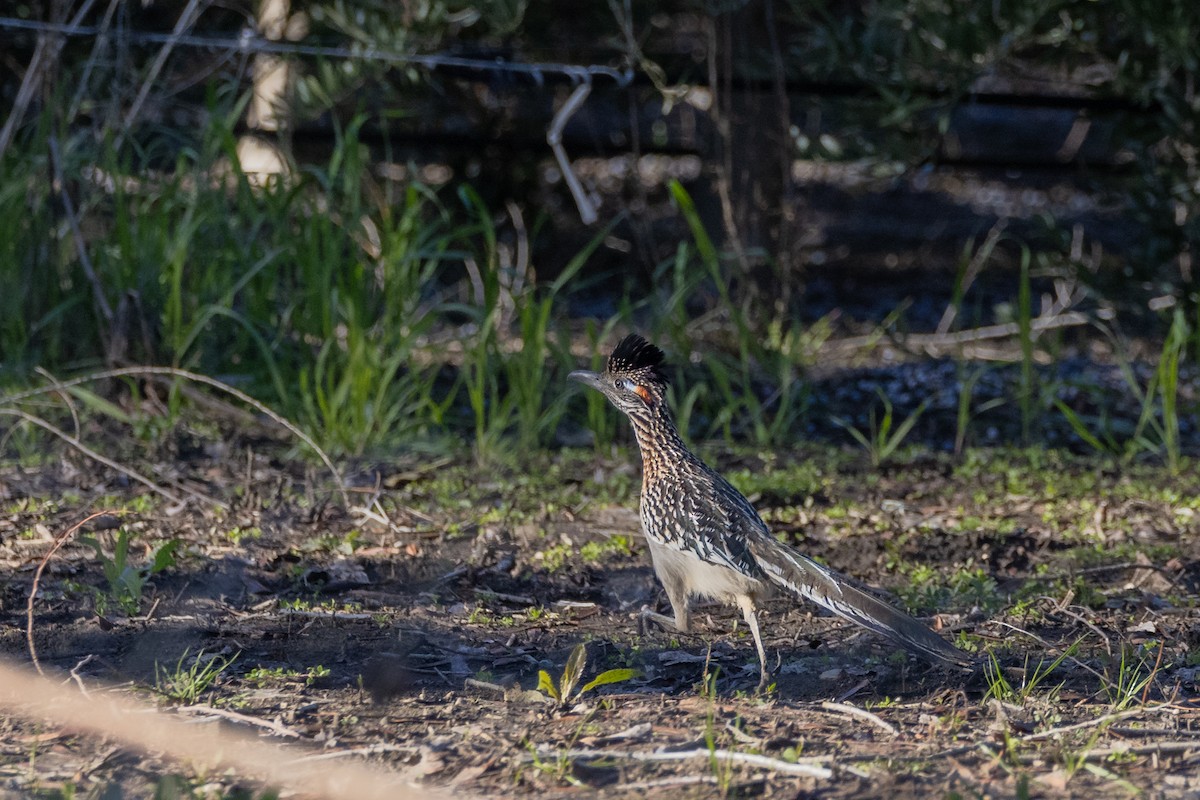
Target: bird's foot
{"type": "Point", "coordinates": [647, 618]}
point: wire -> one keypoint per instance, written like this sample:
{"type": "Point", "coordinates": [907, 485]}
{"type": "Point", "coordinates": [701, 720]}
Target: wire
{"type": "Point", "coordinates": [252, 43]}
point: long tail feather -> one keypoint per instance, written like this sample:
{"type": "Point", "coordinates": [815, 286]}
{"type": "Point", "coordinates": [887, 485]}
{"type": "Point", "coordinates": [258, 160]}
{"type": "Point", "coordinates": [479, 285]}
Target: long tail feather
{"type": "Point", "coordinates": [805, 578]}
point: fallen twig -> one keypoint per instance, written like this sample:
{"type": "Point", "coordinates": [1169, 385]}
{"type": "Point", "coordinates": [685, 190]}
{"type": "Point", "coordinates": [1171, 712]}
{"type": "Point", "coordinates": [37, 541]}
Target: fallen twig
{"type": "Point", "coordinates": [327, 614]}
{"type": "Point", "coordinates": [861, 713]}
{"type": "Point", "coordinates": [367, 750]}
{"type": "Point", "coordinates": [934, 344]}
{"type": "Point", "coordinates": [89, 452]}
{"type": "Point", "coordinates": [587, 211]}
{"type": "Point", "coordinates": [1104, 680]}
{"type": "Point", "coordinates": [1091, 723]}
{"type": "Point", "coordinates": [1102, 753]}
{"type": "Point", "coordinates": [1062, 609]}
{"type": "Point", "coordinates": [1161, 748]}
{"type": "Point", "coordinates": [197, 378]}
{"type": "Point", "coordinates": [270, 725]}
{"type": "Point", "coordinates": [728, 756]}
{"type": "Point", "coordinates": [37, 579]}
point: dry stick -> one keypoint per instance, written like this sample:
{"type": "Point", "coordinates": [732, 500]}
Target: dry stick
{"type": "Point", "coordinates": [1153, 748]}
{"type": "Point", "coordinates": [1165, 748]}
{"type": "Point", "coordinates": [214, 750]}
{"type": "Point", "coordinates": [974, 267]}
{"type": "Point", "coordinates": [66, 399]}
{"type": "Point", "coordinates": [861, 713]}
{"type": "Point", "coordinates": [1103, 679]}
{"type": "Point", "coordinates": [85, 261]}
{"type": "Point", "coordinates": [932, 342]}
{"type": "Point", "coordinates": [728, 756]}
{"type": "Point", "coordinates": [89, 452]}
{"type": "Point", "coordinates": [207, 381]}
{"type": "Point", "coordinates": [1086, 623]}
{"type": "Point", "coordinates": [182, 24]}
{"type": "Point", "coordinates": [587, 211]}
{"type": "Point", "coordinates": [37, 578]}
{"type": "Point", "coordinates": [1122, 730]}
{"type": "Point", "coordinates": [274, 727]}
{"type": "Point", "coordinates": [1153, 672]}
{"type": "Point", "coordinates": [1092, 723]}
{"type": "Point", "coordinates": [47, 48]}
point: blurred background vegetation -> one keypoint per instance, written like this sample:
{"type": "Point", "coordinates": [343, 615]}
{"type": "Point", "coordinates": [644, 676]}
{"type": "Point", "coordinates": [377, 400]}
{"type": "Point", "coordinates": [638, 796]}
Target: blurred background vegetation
{"type": "Point", "coordinates": [855, 221]}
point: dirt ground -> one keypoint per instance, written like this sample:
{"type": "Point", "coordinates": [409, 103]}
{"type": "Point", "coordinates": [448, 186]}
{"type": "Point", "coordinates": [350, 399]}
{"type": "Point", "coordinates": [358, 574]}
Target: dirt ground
{"type": "Point", "coordinates": [410, 628]}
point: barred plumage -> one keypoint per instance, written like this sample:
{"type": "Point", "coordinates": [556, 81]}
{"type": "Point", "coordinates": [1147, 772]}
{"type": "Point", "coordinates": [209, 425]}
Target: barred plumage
{"type": "Point", "coordinates": [707, 541]}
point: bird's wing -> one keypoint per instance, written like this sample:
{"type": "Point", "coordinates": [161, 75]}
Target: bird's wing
{"type": "Point", "coordinates": [802, 577]}
{"type": "Point", "coordinates": [714, 525]}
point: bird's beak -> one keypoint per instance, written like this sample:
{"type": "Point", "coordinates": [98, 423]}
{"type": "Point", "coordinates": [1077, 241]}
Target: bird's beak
{"type": "Point", "coordinates": [591, 379]}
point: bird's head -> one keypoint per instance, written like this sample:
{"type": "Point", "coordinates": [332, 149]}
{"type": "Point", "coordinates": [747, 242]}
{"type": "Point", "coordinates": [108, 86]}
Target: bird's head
{"type": "Point", "coordinates": [634, 379]}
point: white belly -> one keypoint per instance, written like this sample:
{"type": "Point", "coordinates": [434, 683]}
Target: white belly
{"type": "Point", "coordinates": [699, 578]}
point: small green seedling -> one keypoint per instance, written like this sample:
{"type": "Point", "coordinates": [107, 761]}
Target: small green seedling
{"type": "Point", "coordinates": [564, 692]}
{"type": "Point", "coordinates": [882, 441]}
{"type": "Point", "coordinates": [126, 582]}
{"type": "Point", "coordinates": [186, 684]}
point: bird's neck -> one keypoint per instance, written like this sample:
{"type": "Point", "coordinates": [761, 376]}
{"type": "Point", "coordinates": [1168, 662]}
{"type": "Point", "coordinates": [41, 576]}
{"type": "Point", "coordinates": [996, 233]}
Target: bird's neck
{"type": "Point", "coordinates": [659, 441]}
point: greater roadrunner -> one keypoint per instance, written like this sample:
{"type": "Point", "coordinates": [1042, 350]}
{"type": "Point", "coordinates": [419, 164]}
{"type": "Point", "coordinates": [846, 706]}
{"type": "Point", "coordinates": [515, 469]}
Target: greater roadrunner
{"type": "Point", "coordinates": [706, 539]}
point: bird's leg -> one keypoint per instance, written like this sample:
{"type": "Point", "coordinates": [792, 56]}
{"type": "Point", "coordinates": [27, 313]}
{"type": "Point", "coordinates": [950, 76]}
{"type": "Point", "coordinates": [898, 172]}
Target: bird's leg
{"type": "Point", "coordinates": [746, 603]}
{"type": "Point", "coordinates": [648, 617]}
{"type": "Point", "coordinates": [677, 595]}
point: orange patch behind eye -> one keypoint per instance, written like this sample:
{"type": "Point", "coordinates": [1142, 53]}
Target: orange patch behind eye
{"type": "Point", "coordinates": [643, 393]}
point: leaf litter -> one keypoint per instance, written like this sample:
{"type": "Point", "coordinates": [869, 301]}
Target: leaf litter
{"type": "Point", "coordinates": [414, 636]}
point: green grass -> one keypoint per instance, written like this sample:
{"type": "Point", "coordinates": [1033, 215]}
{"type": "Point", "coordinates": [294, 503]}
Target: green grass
{"type": "Point", "coordinates": [192, 677]}
{"type": "Point", "coordinates": [380, 316]}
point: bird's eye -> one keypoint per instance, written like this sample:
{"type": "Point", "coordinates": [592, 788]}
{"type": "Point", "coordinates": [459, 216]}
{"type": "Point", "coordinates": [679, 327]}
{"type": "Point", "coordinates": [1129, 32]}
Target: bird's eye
{"type": "Point", "coordinates": [624, 384]}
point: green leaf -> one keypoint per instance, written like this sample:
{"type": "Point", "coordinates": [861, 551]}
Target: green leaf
{"type": "Point", "coordinates": [902, 430]}
{"type": "Point", "coordinates": [1080, 427]}
{"type": "Point", "coordinates": [164, 556]}
{"type": "Point", "coordinates": [573, 671]}
{"type": "Point", "coordinates": [98, 404]}
{"type": "Point", "coordinates": [858, 435]}
{"type": "Point", "coordinates": [546, 684]}
{"type": "Point", "coordinates": [607, 677]}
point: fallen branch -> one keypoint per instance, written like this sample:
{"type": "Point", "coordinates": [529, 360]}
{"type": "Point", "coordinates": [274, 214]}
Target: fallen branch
{"type": "Point", "coordinates": [37, 579]}
{"type": "Point", "coordinates": [861, 713]}
{"type": "Point", "coordinates": [1154, 748]}
{"type": "Point", "coordinates": [934, 344]}
{"type": "Point", "coordinates": [89, 452]}
{"type": "Point", "coordinates": [727, 756]}
{"type": "Point", "coordinates": [1091, 723]}
{"type": "Point", "coordinates": [587, 211]}
{"type": "Point", "coordinates": [1103, 679]}
{"type": "Point", "coordinates": [1102, 753]}
{"type": "Point", "coordinates": [198, 378]}
{"type": "Point", "coordinates": [234, 716]}
{"type": "Point", "coordinates": [182, 25]}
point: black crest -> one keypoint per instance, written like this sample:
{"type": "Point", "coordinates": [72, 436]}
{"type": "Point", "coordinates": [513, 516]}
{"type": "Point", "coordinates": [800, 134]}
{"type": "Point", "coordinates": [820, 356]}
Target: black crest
{"type": "Point", "coordinates": [635, 354]}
